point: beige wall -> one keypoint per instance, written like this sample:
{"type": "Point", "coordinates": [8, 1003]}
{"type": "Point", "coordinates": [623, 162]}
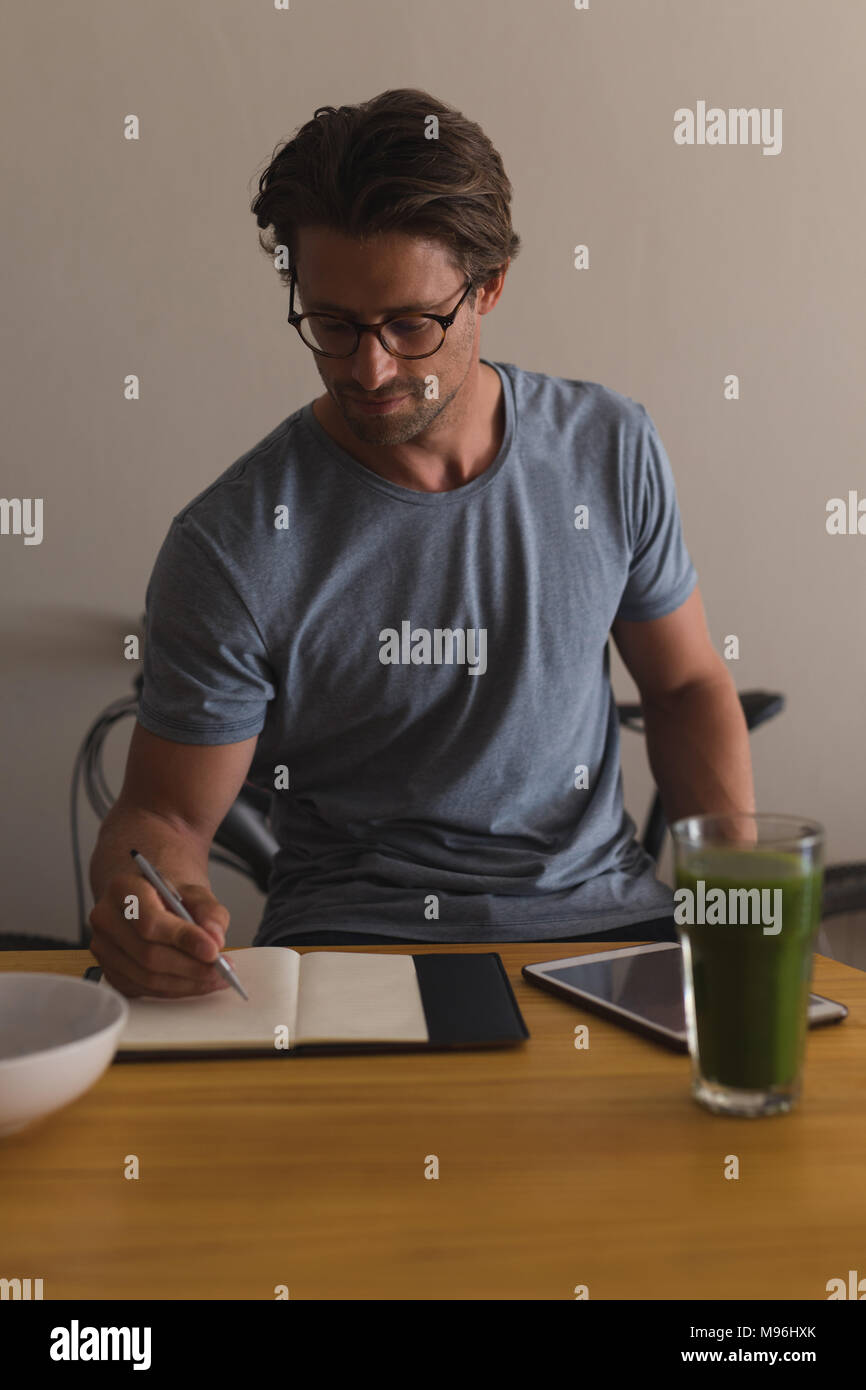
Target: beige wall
{"type": "Point", "coordinates": [141, 257]}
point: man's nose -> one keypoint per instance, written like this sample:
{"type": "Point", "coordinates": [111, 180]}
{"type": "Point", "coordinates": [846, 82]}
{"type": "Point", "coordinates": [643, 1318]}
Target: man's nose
{"type": "Point", "coordinates": [372, 366]}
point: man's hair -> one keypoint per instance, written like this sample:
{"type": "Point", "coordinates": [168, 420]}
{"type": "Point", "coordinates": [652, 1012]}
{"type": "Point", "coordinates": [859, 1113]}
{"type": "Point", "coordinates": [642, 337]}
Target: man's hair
{"type": "Point", "coordinates": [370, 168]}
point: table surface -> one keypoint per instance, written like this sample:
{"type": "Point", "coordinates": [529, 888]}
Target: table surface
{"type": "Point", "coordinates": [559, 1167]}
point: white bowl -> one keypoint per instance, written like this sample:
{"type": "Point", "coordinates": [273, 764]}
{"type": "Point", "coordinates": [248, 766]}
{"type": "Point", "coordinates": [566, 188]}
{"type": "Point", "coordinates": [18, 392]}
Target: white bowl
{"type": "Point", "coordinates": [57, 1036]}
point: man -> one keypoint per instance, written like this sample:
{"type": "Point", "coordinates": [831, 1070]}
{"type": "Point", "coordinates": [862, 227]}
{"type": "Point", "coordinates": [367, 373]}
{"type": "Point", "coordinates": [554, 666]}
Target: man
{"type": "Point", "coordinates": [394, 611]}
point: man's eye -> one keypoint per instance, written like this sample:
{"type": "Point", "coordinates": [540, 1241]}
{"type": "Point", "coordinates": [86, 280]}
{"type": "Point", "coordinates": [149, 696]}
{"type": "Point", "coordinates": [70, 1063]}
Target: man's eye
{"type": "Point", "coordinates": [408, 325]}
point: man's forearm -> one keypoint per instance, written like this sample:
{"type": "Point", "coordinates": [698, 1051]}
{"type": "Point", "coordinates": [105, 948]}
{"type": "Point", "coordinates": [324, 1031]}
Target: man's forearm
{"type": "Point", "coordinates": [180, 855]}
{"type": "Point", "coordinates": [698, 749]}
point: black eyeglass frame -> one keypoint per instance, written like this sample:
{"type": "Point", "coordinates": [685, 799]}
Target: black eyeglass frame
{"type": "Point", "coordinates": [444, 320]}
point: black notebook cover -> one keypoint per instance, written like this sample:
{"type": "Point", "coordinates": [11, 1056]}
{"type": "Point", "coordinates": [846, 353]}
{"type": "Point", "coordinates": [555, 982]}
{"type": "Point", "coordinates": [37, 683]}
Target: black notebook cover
{"type": "Point", "coordinates": [468, 1000]}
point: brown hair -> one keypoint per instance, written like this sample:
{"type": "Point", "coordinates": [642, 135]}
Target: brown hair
{"type": "Point", "coordinates": [363, 169]}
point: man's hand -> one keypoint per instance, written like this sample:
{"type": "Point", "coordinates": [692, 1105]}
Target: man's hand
{"type": "Point", "coordinates": [174, 796]}
{"type": "Point", "coordinates": [158, 953]}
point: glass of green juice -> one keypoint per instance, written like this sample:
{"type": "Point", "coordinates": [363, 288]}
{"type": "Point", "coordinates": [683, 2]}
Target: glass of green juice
{"type": "Point", "coordinates": [747, 907]}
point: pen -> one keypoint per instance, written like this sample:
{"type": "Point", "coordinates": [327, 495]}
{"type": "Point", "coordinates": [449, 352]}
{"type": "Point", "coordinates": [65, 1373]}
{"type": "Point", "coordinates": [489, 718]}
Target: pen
{"type": "Point", "coordinates": [172, 899]}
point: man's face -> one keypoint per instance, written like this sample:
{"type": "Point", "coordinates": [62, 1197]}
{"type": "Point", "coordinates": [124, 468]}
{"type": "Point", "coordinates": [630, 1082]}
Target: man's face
{"type": "Point", "coordinates": [370, 282]}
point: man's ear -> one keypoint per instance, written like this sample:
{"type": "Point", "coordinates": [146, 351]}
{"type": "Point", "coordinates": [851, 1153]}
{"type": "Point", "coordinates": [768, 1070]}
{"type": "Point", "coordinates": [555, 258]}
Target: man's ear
{"type": "Point", "coordinates": [492, 289]}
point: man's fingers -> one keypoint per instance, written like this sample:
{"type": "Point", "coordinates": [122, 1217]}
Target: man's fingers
{"type": "Point", "coordinates": [159, 926]}
{"type": "Point", "coordinates": [143, 943]}
{"type": "Point", "coordinates": [157, 970]}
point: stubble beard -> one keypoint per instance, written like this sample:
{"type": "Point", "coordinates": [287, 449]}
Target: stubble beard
{"type": "Point", "coordinates": [411, 418]}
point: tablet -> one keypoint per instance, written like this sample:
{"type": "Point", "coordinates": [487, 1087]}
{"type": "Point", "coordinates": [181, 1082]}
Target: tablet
{"type": "Point", "coordinates": [641, 987]}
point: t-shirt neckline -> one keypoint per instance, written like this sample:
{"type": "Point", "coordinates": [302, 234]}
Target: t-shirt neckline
{"type": "Point", "coordinates": [406, 494]}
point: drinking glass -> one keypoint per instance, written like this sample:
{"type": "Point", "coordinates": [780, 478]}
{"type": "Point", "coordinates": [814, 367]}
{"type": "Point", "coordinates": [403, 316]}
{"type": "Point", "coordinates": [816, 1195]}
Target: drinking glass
{"type": "Point", "coordinates": [747, 907]}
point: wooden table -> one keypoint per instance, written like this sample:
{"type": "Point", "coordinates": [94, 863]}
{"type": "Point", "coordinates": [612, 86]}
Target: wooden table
{"type": "Point", "coordinates": [557, 1167]}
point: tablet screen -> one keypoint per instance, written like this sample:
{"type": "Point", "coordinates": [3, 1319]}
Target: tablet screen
{"type": "Point", "coordinates": [650, 985]}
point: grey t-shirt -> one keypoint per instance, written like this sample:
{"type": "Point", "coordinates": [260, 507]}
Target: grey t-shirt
{"type": "Point", "coordinates": [428, 673]}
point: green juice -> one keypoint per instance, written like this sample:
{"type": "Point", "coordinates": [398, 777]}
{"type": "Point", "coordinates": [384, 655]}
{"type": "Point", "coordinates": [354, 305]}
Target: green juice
{"type": "Point", "coordinates": [751, 989]}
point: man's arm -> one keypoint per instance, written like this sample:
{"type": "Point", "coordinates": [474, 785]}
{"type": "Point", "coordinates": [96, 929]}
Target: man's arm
{"type": "Point", "coordinates": [173, 799]}
{"type": "Point", "coordinates": [696, 733]}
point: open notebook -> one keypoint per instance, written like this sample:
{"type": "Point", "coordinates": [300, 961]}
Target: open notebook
{"type": "Point", "coordinates": [333, 1000]}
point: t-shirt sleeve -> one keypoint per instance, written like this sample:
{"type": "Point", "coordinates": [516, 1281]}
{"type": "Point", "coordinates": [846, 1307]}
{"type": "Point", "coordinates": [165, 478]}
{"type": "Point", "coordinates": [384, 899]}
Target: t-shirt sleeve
{"type": "Point", "coordinates": [661, 574]}
{"type": "Point", "coordinates": [206, 674]}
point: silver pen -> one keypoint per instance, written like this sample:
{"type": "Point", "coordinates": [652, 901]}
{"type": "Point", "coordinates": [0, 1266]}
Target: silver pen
{"type": "Point", "coordinates": [172, 899]}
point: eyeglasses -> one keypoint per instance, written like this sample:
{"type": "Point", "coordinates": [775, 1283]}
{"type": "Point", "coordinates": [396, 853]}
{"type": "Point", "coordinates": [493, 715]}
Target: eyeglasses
{"type": "Point", "coordinates": [408, 336]}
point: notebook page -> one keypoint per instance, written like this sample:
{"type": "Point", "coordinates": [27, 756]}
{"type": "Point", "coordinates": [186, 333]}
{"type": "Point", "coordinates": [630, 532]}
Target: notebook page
{"type": "Point", "coordinates": [210, 1022]}
{"type": "Point", "coordinates": [359, 997]}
